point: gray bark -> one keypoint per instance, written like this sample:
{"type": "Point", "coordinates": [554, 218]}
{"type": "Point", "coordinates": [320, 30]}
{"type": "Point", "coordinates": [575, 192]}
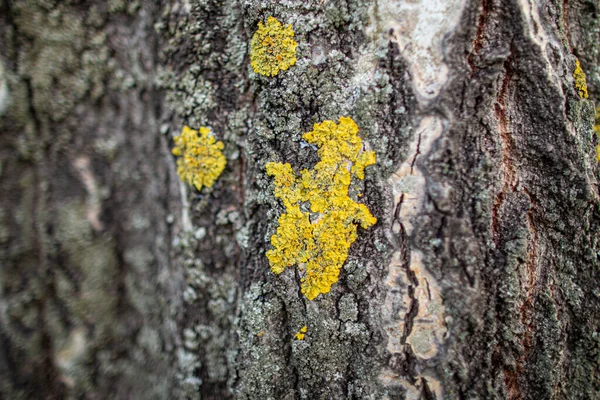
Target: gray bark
{"type": "Point", "coordinates": [480, 279]}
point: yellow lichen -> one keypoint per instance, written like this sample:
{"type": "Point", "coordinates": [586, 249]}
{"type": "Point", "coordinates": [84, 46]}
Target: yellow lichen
{"type": "Point", "coordinates": [273, 48]}
{"type": "Point", "coordinates": [317, 239]}
{"type": "Point", "coordinates": [301, 333]}
{"type": "Point", "coordinates": [201, 160]}
{"type": "Point", "coordinates": [580, 83]}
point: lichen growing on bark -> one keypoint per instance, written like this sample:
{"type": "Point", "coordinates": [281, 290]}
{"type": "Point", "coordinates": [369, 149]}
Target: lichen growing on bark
{"type": "Point", "coordinates": [273, 48]}
{"type": "Point", "coordinates": [201, 159]}
{"type": "Point", "coordinates": [301, 333]}
{"type": "Point", "coordinates": [318, 238]}
{"type": "Point", "coordinates": [580, 82]}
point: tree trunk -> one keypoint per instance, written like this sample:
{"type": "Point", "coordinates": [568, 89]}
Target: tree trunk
{"type": "Point", "coordinates": [479, 279]}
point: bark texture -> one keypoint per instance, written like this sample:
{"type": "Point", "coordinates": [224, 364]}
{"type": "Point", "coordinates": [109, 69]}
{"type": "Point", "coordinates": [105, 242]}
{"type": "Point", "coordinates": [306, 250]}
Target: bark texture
{"type": "Point", "coordinates": [480, 279]}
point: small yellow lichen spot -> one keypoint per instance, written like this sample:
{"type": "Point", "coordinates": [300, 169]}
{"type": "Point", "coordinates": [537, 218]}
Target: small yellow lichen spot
{"type": "Point", "coordinates": [273, 48]}
{"type": "Point", "coordinates": [260, 334]}
{"type": "Point", "coordinates": [580, 83]}
{"type": "Point", "coordinates": [320, 222]}
{"type": "Point", "coordinates": [201, 160]}
{"type": "Point", "coordinates": [301, 333]}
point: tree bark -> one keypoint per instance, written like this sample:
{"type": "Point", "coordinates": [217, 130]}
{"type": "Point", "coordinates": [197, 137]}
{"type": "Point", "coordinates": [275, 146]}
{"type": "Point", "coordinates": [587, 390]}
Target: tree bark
{"type": "Point", "coordinates": [479, 280]}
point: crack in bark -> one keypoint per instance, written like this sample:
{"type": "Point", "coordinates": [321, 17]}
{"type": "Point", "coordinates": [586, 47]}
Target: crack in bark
{"type": "Point", "coordinates": [414, 282]}
{"type": "Point", "coordinates": [417, 152]}
{"type": "Point", "coordinates": [427, 393]}
{"type": "Point", "coordinates": [287, 350]}
{"type": "Point", "coordinates": [528, 302]}
{"type": "Point", "coordinates": [413, 308]}
{"type": "Point", "coordinates": [511, 382]}
{"type": "Point", "coordinates": [47, 369]}
{"type": "Point", "coordinates": [478, 41]}
{"type": "Point", "coordinates": [508, 145]}
{"type": "Point", "coordinates": [510, 180]}
{"type": "Point", "coordinates": [510, 184]}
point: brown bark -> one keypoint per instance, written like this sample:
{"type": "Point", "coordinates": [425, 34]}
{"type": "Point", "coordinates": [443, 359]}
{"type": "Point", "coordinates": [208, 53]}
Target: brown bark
{"type": "Point", "coordinates": [480, 279]}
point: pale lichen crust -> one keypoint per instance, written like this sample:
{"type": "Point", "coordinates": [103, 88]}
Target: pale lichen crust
{"type": "Point", "coordinates": [273, 48]}
{"type": "Point", "coordinates": [201, 159]}
{"type": "Point", "coordinates": [580, 82]}
{"type": "Point", "coordinates": [320, 222]}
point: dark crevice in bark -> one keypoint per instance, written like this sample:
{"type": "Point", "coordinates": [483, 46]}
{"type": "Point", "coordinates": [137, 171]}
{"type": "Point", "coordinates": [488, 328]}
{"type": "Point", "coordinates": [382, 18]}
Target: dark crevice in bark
{"type": "Point", "coordinates": [410, 361]}
{"type": "Point", "coordinates": [417, 152]}
{"type": "Point", "coordinates": [122, 307]}
{"type": "Point", "coordinates": [9, 363]}
{"type": "Point", "coordinates": [478, 42]}
{"type": "Point", "coordinates": [508, 147]}
{"type": "Point", "coordinates": [427, 393]}
{"type": "Point", "coordinates": [287, 351]}
{"type": "Point", "coordinates": [413, 309]}
{"type": "Point", "coordinates": [528, 305]}
{"type": "Point", "coordinates": [46, 368]}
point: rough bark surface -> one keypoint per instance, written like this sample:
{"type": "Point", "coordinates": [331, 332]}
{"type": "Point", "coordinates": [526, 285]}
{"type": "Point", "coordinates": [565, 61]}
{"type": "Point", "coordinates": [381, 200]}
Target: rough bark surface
{"type": "Point", "coordinates": [480, 279]}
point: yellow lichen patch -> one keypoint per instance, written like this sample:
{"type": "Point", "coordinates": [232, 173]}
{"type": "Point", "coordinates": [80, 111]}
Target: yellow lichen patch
{"type": "Point", "coordinates": [201, 160]}
{"type": "Point", "coordinates": [273, 48]}
{"type": "Point", "coordinates": [301, 333]}
{"type": "Point", "coordinates": [580, 83]}
{"type": "Point", "coordinates": [320, 222]}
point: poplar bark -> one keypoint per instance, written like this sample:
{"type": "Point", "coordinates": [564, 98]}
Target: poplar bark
{"type": "Point", "coordinates": [479, 280]}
